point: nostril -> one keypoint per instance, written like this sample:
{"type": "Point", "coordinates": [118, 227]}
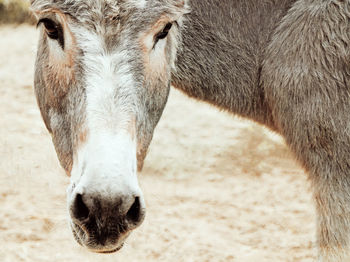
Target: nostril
{"type": "Point", "coordinates": [134, 213]}
{"type": "Point", "coordinates": [80, 210]}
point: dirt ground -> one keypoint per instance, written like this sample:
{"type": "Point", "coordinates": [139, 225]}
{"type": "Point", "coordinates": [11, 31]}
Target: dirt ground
{"type": "Point", "coordinates": [217, 188]}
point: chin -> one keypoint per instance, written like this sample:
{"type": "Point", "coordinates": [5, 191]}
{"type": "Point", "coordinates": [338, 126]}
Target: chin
{"type": "Point", "coordinates": [107, 251]}
{"type": "Point", "coordinates": [93, 246]}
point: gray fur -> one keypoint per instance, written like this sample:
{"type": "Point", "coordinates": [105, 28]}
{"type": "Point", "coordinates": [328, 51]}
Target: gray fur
{"type": "Point", "coordinates": [284, 64]}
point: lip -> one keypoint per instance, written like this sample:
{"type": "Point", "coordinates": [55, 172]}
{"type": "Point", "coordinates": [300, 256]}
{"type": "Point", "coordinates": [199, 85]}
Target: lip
{"type": "Point", "coordinates": [109, 251]}
{"type": "Point", "coordinates": [77, 232]}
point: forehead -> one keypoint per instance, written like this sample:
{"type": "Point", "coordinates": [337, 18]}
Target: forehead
{"type": "Point", "coordinates": [96, 10]}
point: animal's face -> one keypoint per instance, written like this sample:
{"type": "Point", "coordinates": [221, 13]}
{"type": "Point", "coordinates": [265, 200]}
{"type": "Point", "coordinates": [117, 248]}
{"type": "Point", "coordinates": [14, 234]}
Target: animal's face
{"type": "Point", "coordinates": [102, 80]}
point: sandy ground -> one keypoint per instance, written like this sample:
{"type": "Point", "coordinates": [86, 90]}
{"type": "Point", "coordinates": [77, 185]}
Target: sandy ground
{"type": "Point", "coordinates": [218, 188]}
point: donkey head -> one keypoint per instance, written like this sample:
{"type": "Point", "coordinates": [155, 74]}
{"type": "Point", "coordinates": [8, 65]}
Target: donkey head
{"type": "Point", "coordinates": [102, 80]}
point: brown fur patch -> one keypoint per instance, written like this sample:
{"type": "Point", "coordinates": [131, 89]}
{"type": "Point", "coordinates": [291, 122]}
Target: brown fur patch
{"type": "Point", "coordinates": [60, 68]}
{"type": "Point", "coordinates": [82, 137]}
{"type": "Point", "coordinates": [154, 71]}
{"type": "Point", "coordinates": [68, 169]}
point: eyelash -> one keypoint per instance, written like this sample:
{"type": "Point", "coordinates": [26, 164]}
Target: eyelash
{"type": "Point", "coordinates": [164, 33]}
{"type": "Point", "coordinates": [53, 30]}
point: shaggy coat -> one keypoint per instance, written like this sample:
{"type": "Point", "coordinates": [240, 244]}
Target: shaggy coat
{"type": "Point", "coordinates": [282, 63]}
{"type": "Point", "coordinates": [285, 64]}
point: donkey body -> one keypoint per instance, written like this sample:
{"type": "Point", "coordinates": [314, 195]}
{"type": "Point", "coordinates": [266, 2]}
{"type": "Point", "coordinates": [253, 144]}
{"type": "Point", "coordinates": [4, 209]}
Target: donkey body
{"type": "Point", "coordinates": [283, 63]}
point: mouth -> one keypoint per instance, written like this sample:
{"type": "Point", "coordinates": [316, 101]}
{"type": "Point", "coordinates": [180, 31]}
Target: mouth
{"type": "Point", "coordinates": [80, 237]}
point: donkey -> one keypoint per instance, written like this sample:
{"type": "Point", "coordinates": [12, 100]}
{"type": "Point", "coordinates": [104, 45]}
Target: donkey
{"type": "Point", "coordinates": [102, 79]}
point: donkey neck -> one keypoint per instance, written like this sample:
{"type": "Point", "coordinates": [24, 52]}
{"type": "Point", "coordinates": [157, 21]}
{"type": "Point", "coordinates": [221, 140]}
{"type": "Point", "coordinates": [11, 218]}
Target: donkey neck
{"type": "Point", "coordinates": [222, 53]}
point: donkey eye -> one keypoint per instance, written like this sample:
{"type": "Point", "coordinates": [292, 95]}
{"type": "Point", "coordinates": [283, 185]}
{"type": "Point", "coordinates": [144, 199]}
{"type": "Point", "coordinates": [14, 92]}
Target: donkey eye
{"type": "Point", "coordinates": [53, 30]}
{"type": "Point", "coordinates": [163, 34]}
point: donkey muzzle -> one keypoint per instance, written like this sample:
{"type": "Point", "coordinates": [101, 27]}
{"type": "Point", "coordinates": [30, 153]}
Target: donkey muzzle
{"type": "Point", "coordinates": [102, 222]}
